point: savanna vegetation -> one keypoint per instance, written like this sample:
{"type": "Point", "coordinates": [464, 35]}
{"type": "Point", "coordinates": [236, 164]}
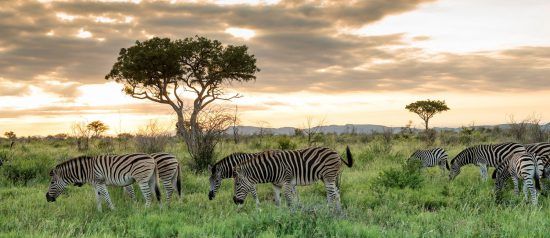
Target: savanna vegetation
{"type": "Point", "coordinates": [381, 195]}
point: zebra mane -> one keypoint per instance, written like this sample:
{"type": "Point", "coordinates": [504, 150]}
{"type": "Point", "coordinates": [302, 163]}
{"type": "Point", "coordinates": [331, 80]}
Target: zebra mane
{"type": "Point", "coordinates": [64, 163]}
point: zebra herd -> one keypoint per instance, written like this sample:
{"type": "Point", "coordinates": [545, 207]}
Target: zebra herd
{"type": "Point", "coordinates": [284, 169]}
{"type": "Point", "coordinates": [529, 163]}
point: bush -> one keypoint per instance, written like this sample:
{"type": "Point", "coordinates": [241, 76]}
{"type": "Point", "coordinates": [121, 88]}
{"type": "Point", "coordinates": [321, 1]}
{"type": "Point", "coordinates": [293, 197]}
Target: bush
{"type": "Point", "coordinates": [409, 175]}
{"type": "Point", "coordinates": [22, 170]}
{"type": "Point", "coordinates": [285, 143]}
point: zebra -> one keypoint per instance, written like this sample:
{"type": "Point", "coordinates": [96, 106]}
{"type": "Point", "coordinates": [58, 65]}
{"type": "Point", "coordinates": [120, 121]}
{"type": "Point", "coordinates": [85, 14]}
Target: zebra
{"type": "Point", "coordinates": [223, 169]}
{"type": "Point", "coordinates": [286, 169]}
{"type": "Point", "coordinates": [483, 156]}
{"type": "Point", "coordinates": [518, 166]}
{"type": "Point", "coordinates": [103, 170]}
{"type": "Point", "coordinates": [431, 158]}
{"type": "Point", "coordinates": [542, 150]}
{"type": "Point", "coordinates": [169, 173]}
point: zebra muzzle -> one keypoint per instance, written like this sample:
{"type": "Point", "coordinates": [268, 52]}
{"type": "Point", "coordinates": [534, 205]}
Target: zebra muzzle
{"type": "Point", "coordinates": [211, 195]}
{"type": "Point", "coordinates": [50, 198]}
{"type": "Point", "coordinates": [238, 201]}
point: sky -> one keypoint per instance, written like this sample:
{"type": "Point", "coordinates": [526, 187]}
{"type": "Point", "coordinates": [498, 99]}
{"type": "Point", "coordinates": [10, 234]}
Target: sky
{"type": "Point", "coordinates": [340, 62]}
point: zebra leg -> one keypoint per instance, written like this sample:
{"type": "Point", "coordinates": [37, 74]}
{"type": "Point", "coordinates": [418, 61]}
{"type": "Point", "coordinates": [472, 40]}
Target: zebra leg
{"type": "Point", "coordinates": [130, 191]}
{"type": "Point", "coordinates": [295, 194]}
{"type": "Point", "coordinates": [483, 170]}
{"type": "Point", "coordinates": [333, 195]}
{"type": "Point", "coordinates": [169, 190]}
{"type": "Point", "coordinates": [277, 191]}
{"type": "Point", "coordinates": [146, 192]}
{"type": "Point", "coordinates": [255, 196]}
{"type": "Point", "coordinates": [102, 190]}
{"type": "Point", "coordinates": [528, 184]}
{"type": "Point", "coordinates": [516, 185]}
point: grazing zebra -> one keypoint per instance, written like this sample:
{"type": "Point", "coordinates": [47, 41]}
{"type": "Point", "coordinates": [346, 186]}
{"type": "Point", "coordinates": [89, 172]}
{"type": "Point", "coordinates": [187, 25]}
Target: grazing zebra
{"type": "Point", "coordinates": [431, 158]}
{"type": "Point", "coordinates": [483, 156]}
{"type": "Point", "coordinates": [286, 169]}
{"type": "Point", "coordinates": [103, 170]}
{"type": "Point", "coordinates": [543, 151]}
{"type": "Point", "coordinates": [169, 173]}
{"type": "Point", "coordinates": [223, 169]}
{"type": "Point", "coordinates": [519, 166]}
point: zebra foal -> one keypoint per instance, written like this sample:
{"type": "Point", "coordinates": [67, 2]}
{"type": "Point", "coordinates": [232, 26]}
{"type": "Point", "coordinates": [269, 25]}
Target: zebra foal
{"type": "Point", "coordinates": [286, 169]}
{"type": "Point", "coordinates": [103, 170]}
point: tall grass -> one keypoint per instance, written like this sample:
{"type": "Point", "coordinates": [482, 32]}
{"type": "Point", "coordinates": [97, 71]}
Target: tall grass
{"type": "Point", "coordinates": [464, 207]}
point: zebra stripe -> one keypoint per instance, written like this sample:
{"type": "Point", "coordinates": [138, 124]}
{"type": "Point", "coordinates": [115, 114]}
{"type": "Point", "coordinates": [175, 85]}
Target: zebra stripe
{"type": "Point", "coordinates": [169, 173]}
{"type": "Point", "coordinates": [431, 157]}
{"type": "Point", "coordinates": [483, 156]}
{"type": "Point", "coordinates": [520, 166]}
{"type": "Point", "coordinates": [103, 170]}
{"type": "Point", "coordinates": [286, 169]}
{"type": "Point", "coordinates": [542, 150]}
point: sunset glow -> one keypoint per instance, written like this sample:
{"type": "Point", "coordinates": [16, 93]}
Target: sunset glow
{"type": "Point", "coordinates": [488, 60]}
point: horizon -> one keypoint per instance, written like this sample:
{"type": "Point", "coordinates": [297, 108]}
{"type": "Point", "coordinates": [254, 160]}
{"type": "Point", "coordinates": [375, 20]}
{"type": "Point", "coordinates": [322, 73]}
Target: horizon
{"type": "Point", "coordinates": [345, 63]}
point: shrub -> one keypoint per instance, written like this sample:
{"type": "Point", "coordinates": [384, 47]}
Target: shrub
{"type": "Point", "coordinates": [408, 175]}
{"type": "Point", "coordinates": [285, 143]}
{"type": "Point", "coordinates": [22, 170]}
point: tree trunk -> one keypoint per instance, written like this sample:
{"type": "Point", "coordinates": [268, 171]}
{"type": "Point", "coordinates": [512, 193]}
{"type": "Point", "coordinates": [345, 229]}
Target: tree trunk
{"type": "Point", "coordinates": [426, 124]}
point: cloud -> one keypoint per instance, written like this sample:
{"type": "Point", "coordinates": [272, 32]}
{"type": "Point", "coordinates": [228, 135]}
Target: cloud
{"type": "Point", "coordinates": [299, 46]}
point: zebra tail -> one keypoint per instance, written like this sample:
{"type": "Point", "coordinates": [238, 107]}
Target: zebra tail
{"type": "Point", "coordinates": [157, 190]}
{"type": "Point", "coordinates": [494, 176]}
{"type": "Point", "coordinates": [349, 163]}
{"type": "Point", "coordinates": [178, 181]}
{"type": "Point", "coordinates": [447, 165]}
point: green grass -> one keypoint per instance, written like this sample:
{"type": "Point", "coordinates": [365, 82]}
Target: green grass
{"type": "Point", "coordinates": [464, 207]}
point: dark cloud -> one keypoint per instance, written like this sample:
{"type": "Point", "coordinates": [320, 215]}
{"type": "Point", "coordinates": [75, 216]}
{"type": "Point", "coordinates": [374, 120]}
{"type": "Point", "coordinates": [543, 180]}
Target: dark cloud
{"type": "Point", "coordinates": [298, 44]}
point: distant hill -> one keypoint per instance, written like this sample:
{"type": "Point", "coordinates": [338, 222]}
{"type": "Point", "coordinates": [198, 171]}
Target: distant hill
{"type": "Point", "coordinates": [348, 128]}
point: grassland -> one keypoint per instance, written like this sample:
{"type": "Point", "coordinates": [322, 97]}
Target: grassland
{"type": "Point", "coordinates": [464, 207]}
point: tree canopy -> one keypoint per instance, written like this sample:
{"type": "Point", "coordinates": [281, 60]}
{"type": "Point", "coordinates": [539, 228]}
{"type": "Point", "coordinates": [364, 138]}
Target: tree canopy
{"type": "Point", "coordinates": [161, 70]}
{"type": "Point", "coordinates": [426, 109]}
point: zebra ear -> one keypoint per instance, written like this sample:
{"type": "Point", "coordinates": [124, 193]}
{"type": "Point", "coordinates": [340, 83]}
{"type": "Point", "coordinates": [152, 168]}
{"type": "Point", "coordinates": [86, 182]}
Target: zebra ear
{"type": "Point", "coordinates": [51, 173]}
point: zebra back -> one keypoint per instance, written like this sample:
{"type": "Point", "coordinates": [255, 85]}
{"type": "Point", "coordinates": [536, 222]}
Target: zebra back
{"type": "Point", "coordinates": [228, 163]}
{"type": "Point", "coordinates": [430, 157]}
{"type": "Point", "coordinates": [491, 155]}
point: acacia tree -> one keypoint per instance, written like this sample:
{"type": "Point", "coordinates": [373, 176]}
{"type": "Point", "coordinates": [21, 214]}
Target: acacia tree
{"type": "Point", "coordinates": [97, 127]}
{"type": "Point", "coordinates": [161, 70]}
{"type": "Point", "coordinates": [426, 109]}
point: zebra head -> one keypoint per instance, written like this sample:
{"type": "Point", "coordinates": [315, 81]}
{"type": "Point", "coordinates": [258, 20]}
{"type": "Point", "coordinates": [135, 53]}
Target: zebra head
{"type": "Point", "coordinates": [454, 169]}
{"type": "Point", "coordinates": [215, 180]}
{"type": "Point", "coordinates": [57, 186]}
{"type": "Point", "coordinates": [242, 186]}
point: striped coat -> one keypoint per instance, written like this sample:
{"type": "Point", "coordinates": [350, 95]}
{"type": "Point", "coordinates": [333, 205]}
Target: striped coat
{"type": "Point", "coordinates": [286, 169]}
{"type": "Point", "coordinates": [103, 170]}
{"type": "Point", "coordinates": [520, 166]}
{"type": "Point", "coordinates": [431, 157]}
{"type": "Point", "coordinates": [483, 156]}
{"type": "Point", "coordinates": [169, 172]}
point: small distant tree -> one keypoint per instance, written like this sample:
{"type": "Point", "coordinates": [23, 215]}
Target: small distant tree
{"type": "Point", "coordinates": [97, 128]}
{"type": "Point", "coordinates": [82, 134]}
{"type": "Point", "coordinates": [426, 109]}
{"type": "Point", "coordinates": [312, 128]}
{"type": "Point", "coordinates": [10, 135]}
